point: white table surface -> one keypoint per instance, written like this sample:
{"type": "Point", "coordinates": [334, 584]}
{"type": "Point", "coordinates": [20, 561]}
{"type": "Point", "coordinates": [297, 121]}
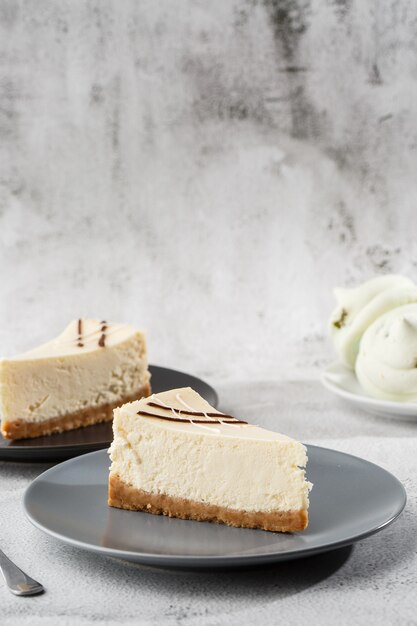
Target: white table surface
{"type": "Point", "coordinates": [373, 583]}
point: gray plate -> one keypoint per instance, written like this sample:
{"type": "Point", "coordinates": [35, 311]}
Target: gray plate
{"type": "Point", "coordinates": [81, 440]}
{"type": "Point", "coordinates": [351, 499]}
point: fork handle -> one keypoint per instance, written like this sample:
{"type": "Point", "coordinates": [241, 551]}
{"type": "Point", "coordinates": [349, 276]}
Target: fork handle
{"type": "Point", "coordinates": [18, 582]}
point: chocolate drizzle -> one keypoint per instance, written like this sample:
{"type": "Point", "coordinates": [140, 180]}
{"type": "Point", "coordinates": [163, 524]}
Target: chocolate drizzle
{"type": "Point", "coordinates": [80, 334]}
{"type": "Point", "coordinates": [218, 418]}
{"type": "Point", "coordinates": [80, 341]}
{"type": "Point", "coordinates": [102, 340]}
{"type": "Point", "coordinates": [183, 412]}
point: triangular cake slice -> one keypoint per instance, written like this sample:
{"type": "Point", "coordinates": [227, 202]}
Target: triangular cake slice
{"type": "Point", "coordinates": [74, 380]}
{"type": "Point", "coordinates": [174, 454]}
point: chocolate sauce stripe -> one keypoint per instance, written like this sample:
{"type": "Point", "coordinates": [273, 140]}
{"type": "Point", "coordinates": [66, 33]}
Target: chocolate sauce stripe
{"type": "Point", "coordinates": [102, 340]}
{"type": "Point", "coordinates": [191, 421]}
{"type": "Point", "coordinates": [200, 413]}
{"type": "Point", "coordinates": [80, 334]}
{"type": "Point", "coordinates": [111, 330]}
{"type": "Point", "coordinates": [87, 338]}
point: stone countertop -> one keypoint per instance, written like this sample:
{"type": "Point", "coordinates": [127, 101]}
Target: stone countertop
{"type": "Point", "coordinates": [375, 582]}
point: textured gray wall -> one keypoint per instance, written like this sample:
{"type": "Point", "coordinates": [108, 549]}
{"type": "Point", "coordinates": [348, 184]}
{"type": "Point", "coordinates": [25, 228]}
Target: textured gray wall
{"type": "Point", "coordinates": [206, 170]}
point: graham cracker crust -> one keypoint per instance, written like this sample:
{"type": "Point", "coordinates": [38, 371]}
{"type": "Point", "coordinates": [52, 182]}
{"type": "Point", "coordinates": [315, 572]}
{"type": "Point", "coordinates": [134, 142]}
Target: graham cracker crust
{"type": "Point", "coordinates": [125, 496]}
{"type": "Point", "coordinates": [20, 429]}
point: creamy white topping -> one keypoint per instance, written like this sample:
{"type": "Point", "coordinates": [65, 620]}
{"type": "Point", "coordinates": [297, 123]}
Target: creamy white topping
{"type": "Point", "coordinates": [386, 366]}
{"type": "Point", "coordinates": [359, 307]}
{"type": "Point", "coordinates": [82, 335]}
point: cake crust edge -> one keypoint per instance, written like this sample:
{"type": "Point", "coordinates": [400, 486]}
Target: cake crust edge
{"type": "Point", "coordinates": [21, 429]}
{"type": "Point", "coordinates": [124, 496]}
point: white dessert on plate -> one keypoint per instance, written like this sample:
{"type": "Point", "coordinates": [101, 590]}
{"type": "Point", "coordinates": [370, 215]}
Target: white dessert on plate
{"type": "Point", "coordinates": [74, 380]}
{"type": "Point", "coordinates": [386, 366]}
{"type": "Point", "coordinates": [174, 454]}
{"type": "Point", "coordinates": [374, 331]}
{"type": "Point", "coordinates": [359, 307]}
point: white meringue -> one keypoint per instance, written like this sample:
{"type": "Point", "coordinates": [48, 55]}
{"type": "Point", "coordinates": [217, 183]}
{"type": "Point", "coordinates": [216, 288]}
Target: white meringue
{"type": "Point", "coordinates": [386, 366]}
{"type": "Point", "coordinates": [359, 307]}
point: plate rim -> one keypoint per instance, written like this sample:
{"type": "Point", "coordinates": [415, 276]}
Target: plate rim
{"type": "Point", "coordinates": [201, 561]}
{"type": "Point", "coordinates": [357, 398]}
{"type": "Point", "coordinates": [20, 453]}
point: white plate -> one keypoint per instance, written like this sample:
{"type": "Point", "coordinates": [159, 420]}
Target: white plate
{"type": "Point", "coordinates": [343, 382]}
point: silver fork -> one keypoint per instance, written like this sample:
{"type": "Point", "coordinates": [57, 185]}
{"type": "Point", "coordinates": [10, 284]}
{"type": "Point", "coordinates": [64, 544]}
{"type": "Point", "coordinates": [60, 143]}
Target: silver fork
{"type": "Point", "coordinates": [18, 582]}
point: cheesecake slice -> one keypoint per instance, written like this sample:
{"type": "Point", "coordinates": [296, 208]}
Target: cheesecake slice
{"type": "Point", "coordinates": [173, 454]}
{"type": "Point", "coordinates": [74, 380]}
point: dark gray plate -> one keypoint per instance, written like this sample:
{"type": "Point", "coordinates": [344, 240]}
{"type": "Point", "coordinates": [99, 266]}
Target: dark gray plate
{"type": "Point", "coordinates": [74, 442]}
{"type": "Point", "coordinates": [351, 499]}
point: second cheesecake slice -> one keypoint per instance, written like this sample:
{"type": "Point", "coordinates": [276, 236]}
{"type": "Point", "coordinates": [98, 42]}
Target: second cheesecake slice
{"type": "Point", "coordinates": [75, 380]}
{"type": "Point", "coordinates": [174, 454]}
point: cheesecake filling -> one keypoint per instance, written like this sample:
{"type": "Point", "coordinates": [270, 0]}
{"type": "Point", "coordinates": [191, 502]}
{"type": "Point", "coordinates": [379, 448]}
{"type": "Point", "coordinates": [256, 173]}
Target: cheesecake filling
{"type": "Point", "coordinates": [82, 374]}
{"type": "Point", "coordinates": [35, 393]}
{"type": "Point", "coordinates": [210, 461]}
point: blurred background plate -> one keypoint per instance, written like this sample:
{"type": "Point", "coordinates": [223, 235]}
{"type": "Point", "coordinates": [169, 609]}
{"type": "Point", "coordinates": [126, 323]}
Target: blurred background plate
{"type": "Point", "coordinates": [65, 445]}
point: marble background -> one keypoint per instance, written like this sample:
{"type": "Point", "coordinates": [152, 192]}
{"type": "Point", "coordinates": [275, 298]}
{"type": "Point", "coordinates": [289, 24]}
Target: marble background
{"type": "Point", "coordinates": [205, 170]}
